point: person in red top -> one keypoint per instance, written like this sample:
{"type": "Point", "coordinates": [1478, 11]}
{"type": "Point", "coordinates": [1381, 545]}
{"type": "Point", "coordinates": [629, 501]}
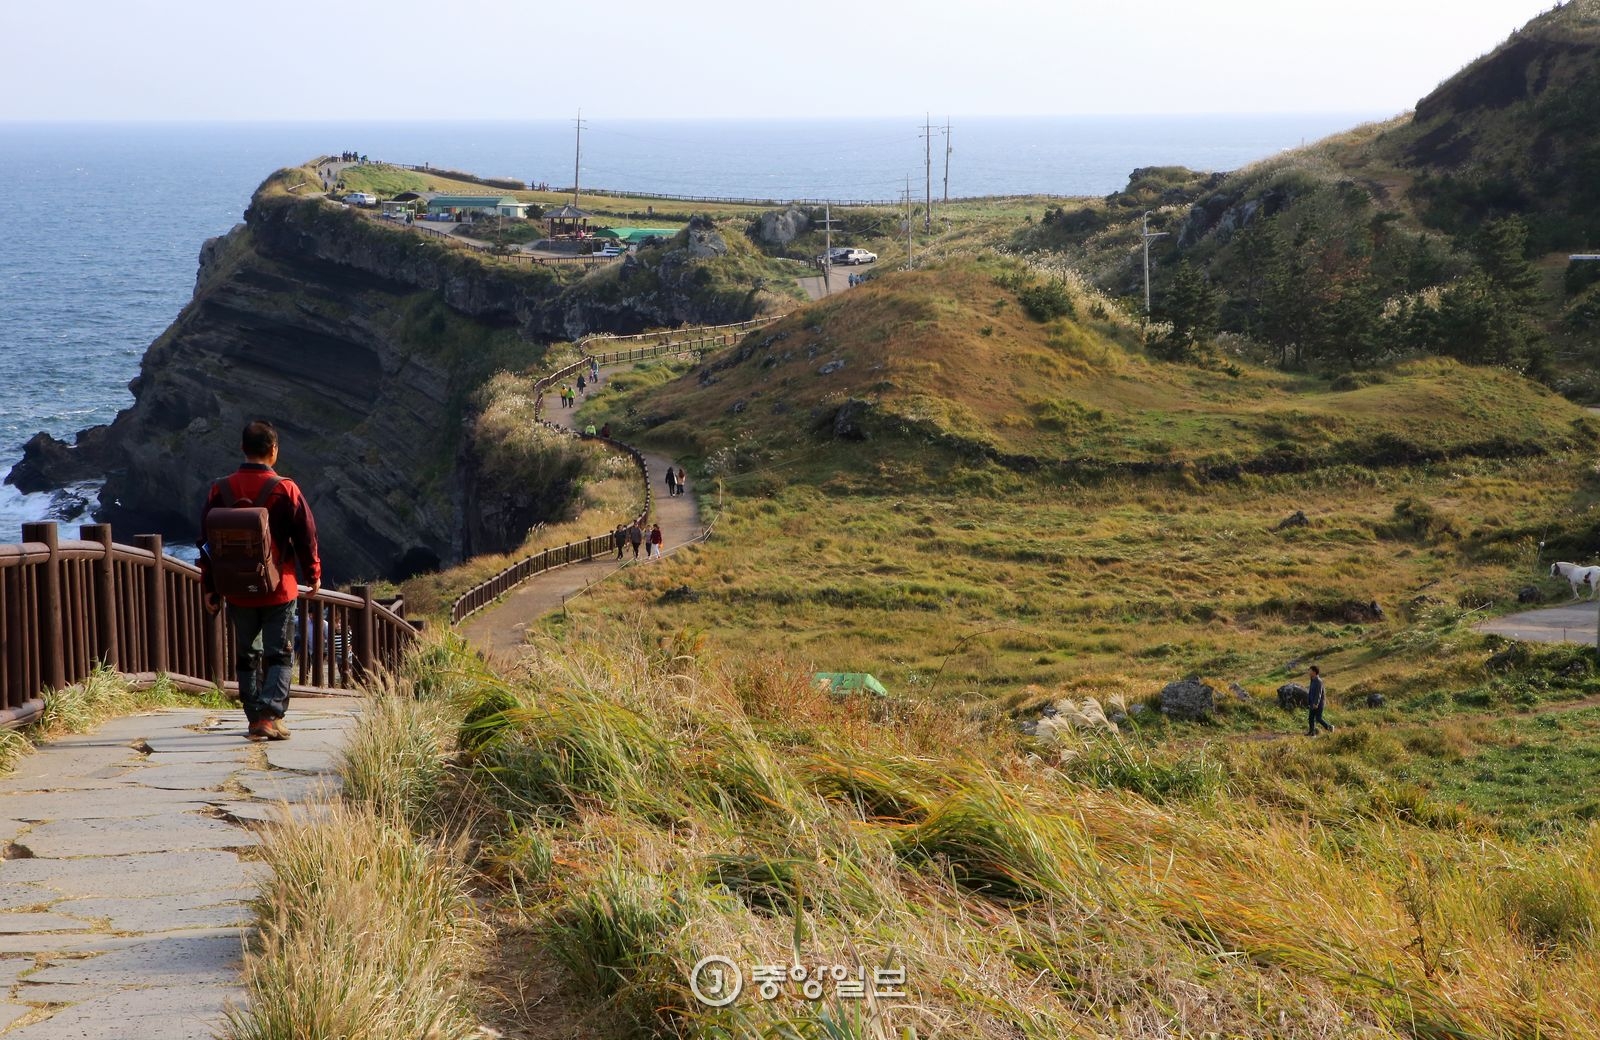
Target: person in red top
{"type": "Point", "coordinates": [263, 626]}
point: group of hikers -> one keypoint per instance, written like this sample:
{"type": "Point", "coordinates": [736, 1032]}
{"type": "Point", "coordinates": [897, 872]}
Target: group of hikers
{"type": "Point", "coordinates": [634, 535]}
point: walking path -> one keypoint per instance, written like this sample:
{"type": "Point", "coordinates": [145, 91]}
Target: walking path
{"type": "Point", "coordinates": [128, 868]}
{"type": "Point", "coordinates": [500, 629]}
{"type": "Point", "coordinates": [1571, 623]}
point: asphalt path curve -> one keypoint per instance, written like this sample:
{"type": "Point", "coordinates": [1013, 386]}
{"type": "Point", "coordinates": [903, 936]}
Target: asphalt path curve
{"type": "Point", "coordinates": [500, 629]}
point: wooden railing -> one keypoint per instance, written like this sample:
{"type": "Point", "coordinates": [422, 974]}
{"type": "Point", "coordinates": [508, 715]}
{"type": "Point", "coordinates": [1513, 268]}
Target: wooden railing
{"type": "Point", "coordinates": [649, 344]}
{"type": "Point", "coordinates": [68, 607]}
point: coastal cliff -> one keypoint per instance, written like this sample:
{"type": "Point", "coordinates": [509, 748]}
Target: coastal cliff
{"type": "Point", "coordinates": [365, 344]}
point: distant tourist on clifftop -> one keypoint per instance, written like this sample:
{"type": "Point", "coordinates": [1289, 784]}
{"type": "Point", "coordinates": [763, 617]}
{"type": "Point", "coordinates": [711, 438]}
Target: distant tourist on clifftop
{"type": "Point", "coordinates": [258, 540]}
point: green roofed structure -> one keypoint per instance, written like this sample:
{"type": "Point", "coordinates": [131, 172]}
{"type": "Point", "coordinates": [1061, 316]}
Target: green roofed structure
{"type": "Point", "coordinates": [849, 682]}
{"type": "Point", "coordinates": [491, 205]}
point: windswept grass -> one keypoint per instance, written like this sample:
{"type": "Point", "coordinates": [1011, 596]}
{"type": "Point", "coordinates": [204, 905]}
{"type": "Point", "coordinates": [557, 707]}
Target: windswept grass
{"type": "Point", "coordinates": [641, 805]}
{"type": "Point", "coordinates": [366, 933]}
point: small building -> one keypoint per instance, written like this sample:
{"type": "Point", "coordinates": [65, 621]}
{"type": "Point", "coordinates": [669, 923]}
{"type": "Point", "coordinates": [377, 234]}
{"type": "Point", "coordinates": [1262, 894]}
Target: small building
{"type": "Point", "coordinates": [567, 222]}
{"type": "Point", "coordinates": [463, 207]}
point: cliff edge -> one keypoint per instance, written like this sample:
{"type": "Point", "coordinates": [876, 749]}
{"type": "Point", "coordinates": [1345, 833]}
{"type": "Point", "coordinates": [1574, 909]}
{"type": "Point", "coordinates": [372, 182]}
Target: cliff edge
{"type": "Point", "coordinates": [365, 344]}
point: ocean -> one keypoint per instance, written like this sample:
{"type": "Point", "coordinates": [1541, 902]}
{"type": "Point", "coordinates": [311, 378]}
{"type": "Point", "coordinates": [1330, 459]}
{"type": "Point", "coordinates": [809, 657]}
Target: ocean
{"type": "Point", "coordinates": [102, 224]}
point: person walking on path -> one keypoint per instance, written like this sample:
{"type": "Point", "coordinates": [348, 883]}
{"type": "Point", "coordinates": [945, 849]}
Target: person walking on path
{"type": "Point", "coordinates": [655, 541]}
{"type": "Point", "coordinates": [605, 431]}
{"type": "Point", "coordinates": [635, 538]}
{"type": "Point", "coordinates": [263, 623]}
{"type": "Point", "coordinates": [582, 382]}
{"type": "Point", "coordinates": [681, 483]}
{"type": "Point", "coordinates": [1316, 697]}
{"type": "Point", "coordinates": [672, 483]}
{"type": "Point", "coordinates": [620, 537]}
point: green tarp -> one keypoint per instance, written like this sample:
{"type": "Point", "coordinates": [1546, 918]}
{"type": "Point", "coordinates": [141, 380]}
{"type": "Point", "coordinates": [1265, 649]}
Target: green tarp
{"type": "Point", "coordinates": [849, 682]}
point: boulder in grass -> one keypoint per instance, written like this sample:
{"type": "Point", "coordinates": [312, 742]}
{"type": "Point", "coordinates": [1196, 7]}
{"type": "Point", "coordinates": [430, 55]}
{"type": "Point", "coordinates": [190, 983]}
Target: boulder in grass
{"type": "Point", "coordinates": [1239, 691]}
{"type": "Point", "coordinates": [1292, 695]}
{"type": "Point", "coordinates": [1376, 700]}
{"type": "Point", "coordinates": [1188, 699]}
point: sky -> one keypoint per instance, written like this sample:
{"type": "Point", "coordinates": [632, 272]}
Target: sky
{"type": "Point", "coordinates": [140, 60]}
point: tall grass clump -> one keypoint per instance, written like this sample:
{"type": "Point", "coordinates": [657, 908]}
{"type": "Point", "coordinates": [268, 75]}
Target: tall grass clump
{"type": "Point", "coordinates": [365, 933]}
{"type": "Point", "coordinates": [105, 694]}
{"type": "Point", "coordinates": [614, 935]}
{"type": "Point", "coordinates": [397, 760]}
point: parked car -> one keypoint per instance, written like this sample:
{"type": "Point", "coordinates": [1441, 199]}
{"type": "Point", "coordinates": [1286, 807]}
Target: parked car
{"type": "Point", "coordinates": [855, 256]}
{"type": "Point", "coordinates": [610, 251]}
{"type": "Point", "coordinates": [361, 198]}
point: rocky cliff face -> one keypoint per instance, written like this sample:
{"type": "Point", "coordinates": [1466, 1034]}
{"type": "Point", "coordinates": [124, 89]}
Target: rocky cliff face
{"type": "Point", "coordinates": [364, 345]}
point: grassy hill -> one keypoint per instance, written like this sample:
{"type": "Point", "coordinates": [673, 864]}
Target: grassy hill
{"type": "Point", "coordinates": [1442, 232]}
{"type": "Point", "coordinates": [985, 507]}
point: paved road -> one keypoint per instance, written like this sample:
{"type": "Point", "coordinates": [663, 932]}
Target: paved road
{"type": "Point", "coordinates": [1570, 623]}
{"type": "Point", "coordinates": [128, 869]}
{"type": "Point", "coordinates": [838, 280]}
{"type": "Point", "coordinates": [499, 630]}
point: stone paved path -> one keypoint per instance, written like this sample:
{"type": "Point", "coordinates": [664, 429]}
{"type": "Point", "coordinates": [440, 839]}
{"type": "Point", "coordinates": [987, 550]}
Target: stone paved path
{"type": "Point", "coordinates": [128, 868]}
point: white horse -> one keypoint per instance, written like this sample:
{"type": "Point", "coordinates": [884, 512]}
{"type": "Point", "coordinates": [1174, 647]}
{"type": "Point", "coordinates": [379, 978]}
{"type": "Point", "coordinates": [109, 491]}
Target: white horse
{"type": "Point", "coordinates": [1578, 577]}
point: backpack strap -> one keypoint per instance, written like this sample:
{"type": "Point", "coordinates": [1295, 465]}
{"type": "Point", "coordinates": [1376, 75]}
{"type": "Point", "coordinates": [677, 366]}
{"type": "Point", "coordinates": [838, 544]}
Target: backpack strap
{"type": "Point", "coordinates": [266, 491]}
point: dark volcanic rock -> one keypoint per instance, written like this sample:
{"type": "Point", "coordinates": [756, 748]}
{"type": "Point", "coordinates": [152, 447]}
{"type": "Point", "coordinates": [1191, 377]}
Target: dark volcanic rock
{"type": "Point", "coordinates": [1188, 699]}
{"type": "Point", "coordinates": [848, 420]}
{"type": "Point", "coordinates": [48, 463]}
{"type": "Point", "coordinates": [1292, 695]}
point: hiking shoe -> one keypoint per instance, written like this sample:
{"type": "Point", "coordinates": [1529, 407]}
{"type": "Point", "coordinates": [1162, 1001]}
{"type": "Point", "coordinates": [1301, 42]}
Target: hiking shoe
{"type": "Point", "coordinates": [276, 730]}
{"type": "Point", "coordinates": [259, 730]}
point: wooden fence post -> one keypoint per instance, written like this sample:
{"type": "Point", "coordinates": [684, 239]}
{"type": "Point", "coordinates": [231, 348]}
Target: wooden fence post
{"type": "Point", "coordinates": [364, 630]}
{"type": "Point", "coordinates": [105, 593]}
{"type": "Point", "coordinates": [52, 655]}
{"type": "Point", "coordinates": [216, 638]}
{"type": "Point", "coordinates": [155, 601]}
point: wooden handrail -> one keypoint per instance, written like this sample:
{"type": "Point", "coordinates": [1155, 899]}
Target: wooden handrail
{"type": "Point", "coordinates": [70, 606]}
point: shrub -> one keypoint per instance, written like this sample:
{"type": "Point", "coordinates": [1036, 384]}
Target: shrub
{"type": "Point", "coordinates": [1046, 301]}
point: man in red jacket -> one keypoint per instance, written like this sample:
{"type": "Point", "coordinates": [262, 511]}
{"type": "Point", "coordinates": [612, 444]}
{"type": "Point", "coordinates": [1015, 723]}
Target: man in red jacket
{"type": "Point", "coordinates": [263, 626]}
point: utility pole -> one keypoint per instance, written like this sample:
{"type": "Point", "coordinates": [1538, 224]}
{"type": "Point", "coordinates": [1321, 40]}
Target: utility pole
{"type": "Point", "coordinates": [927, 169]}
{"type": "Point", "coordinates": [907, 197]}
{"type": "Point", "coordinates": [827, 249]}
{"type": "Point", "coordinates": [1146, 235]}
{"type": "Point", "coordinates": [577, 155]}
{"type": "Point", "coordinates": [947, 151]}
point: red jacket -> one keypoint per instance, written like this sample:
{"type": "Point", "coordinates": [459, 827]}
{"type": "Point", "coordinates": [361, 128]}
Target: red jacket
{"type": "Point", "coordinates": [294, 532]}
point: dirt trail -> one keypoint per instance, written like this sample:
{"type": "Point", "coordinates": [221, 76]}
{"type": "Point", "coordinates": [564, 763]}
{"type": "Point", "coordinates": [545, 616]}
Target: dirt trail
{"type": "Point", "coordinates": [498, 630]}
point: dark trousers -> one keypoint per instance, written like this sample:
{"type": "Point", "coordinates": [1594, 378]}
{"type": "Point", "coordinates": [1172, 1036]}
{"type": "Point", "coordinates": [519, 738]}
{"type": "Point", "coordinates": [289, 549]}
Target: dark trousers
{"type": "Point", "coordinates": [264, 645]}
{"type": "Point", "coordinates": [1314, 720]}
{"type": "Point", "coordinates": [619, 549]}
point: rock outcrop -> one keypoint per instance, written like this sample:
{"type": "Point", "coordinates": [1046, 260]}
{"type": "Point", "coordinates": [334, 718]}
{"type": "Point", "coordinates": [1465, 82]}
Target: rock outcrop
{"type": "Point", "coordinates": [1188, 699]}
